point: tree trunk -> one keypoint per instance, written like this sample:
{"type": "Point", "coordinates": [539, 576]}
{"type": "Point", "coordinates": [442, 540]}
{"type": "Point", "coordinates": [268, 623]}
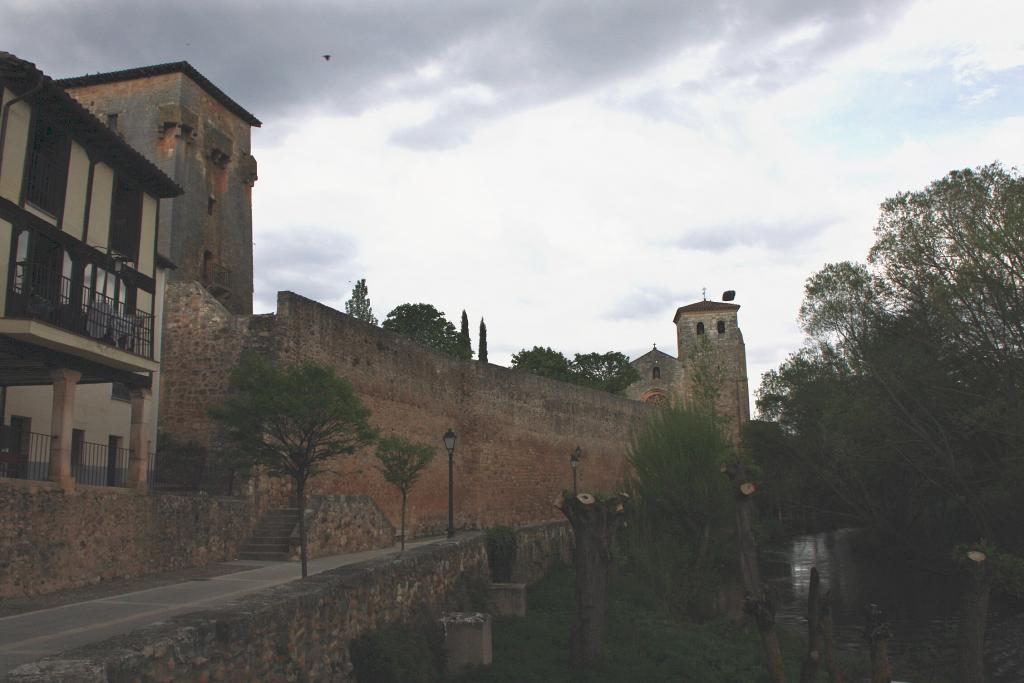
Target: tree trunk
{"type": "Point", "coordinates": [300, 495]}
{"type": "Point", "coordinates": [404, 494]}
{"type": "Point", "coordinates": [809, 671]}
{"type": "Point", "coordinates": [758, 602]}
{"type": "Point", "coordinates": [828, 637]}
{"type": "Point", "coordinates": [877, 633]}
{"type": "Point", "coordinates": [973, 614]}
{"type": "Point", "coordinates": [593, 524]}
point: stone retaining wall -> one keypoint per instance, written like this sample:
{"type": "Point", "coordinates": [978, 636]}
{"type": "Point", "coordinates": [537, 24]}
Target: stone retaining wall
{"type": "Point", "coordinates": [53, 540]}
{"type": "Point", "coordinates": [343, 524]}
{"type": "Point", "coordinates": [298, 631]}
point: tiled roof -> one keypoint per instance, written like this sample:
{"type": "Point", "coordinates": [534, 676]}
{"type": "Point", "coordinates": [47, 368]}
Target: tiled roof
{"type": "Point", "coordinates": [704, 307]}
{"type": "Point", "coordinates": [25, 78]}
{"type": "Point", "coordinates": [159, 70]}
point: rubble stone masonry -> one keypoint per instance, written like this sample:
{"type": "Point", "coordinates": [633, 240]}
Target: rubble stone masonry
{"type": "Point", "coordinates": [52, 539]}
{"type": "Point", "coordinates": [515, 430]}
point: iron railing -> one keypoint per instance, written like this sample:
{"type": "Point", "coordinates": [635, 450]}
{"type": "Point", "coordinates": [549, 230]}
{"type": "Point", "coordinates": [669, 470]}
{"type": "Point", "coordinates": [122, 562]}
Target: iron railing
{"type": "Point", "coordinates": [45, 294]}
{"type": "Point", "coordinates": [92, 464]}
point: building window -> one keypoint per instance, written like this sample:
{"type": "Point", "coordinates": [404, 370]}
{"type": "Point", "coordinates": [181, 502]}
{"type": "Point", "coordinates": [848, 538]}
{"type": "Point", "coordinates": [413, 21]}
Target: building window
{"type": "Point", "coordinates": [700, 328]}
{"type": "Point", "coordinates": [47, 167]}
{"type": "Point", "coordinates": [656, 373]}
{"type": "Point", "coordinates": [721, 327]}
{"type": "Point", "coordinates": [112, 122]}
{"type": "Point", "coordinates": [126, 220]}
{"type": "Point", "coordinates": [120, 391]}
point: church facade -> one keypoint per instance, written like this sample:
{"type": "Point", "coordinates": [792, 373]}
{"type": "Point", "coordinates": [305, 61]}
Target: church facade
{"type": "Point", "coordinates": [710, 367]}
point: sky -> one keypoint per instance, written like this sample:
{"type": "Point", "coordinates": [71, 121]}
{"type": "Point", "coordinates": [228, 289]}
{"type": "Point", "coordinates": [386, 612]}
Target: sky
{"type": "Point", "coordinates": [573, 171]}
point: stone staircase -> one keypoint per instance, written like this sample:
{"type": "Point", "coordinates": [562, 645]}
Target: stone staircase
{"type": "Point", "coordinates": [271, 539]}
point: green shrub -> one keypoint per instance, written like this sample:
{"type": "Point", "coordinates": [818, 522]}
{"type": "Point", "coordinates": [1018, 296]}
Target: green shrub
{"type": "Point", "coordinates": [501, 552]}
{"type": "Point", "coordinates": [676, 537]}
{"type": "Point", "coordinates": [398, 654]}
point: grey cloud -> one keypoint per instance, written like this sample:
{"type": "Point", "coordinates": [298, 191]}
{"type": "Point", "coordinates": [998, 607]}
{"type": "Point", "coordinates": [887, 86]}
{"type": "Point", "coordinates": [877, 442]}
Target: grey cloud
{"type": "Point", "coordinates": [642, 303]}
{"type": "Point", "coordinates": [315, 263]}
{"type": "Point", "coordinates": [268, 56]}
{"type": "Point", "coordinates": [772, 233]}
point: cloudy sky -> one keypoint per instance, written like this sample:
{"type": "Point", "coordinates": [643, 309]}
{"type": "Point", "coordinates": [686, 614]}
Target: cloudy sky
{"type": "Point", "coordinates": [573, 171]}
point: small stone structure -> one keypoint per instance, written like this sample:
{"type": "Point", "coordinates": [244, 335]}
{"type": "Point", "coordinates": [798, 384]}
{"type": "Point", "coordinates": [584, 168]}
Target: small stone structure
{"type": "Point", "coordinates": [509, 599]}
{"type": "Point", "coordinates": [467, 640]}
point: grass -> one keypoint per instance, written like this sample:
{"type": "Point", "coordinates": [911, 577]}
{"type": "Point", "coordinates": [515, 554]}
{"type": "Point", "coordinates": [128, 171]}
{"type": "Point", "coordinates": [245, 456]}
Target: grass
{"type": "Point", "coordinates": [643, 642]}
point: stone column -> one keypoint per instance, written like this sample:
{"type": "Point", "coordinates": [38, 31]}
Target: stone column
{"type": "Point", "coordinates": [65, 381]}
{"type": "Point", "coordinates": [140, 438]}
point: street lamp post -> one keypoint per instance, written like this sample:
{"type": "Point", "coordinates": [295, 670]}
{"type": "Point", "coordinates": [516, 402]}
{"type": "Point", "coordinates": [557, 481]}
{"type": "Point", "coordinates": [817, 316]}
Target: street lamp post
{"type": "Point", "coordinates": [449, 443]}
{"type": "Point", "coordinates": [574, 461]}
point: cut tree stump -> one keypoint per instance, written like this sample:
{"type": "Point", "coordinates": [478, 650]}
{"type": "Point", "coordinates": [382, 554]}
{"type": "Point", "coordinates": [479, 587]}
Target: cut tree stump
{"type": "Point", "coordinates": [593, 524]}
{"type": "Point", "coordinates": [877, 633]}
{"type": "Point", "coordinates": [809, 671]}
{"type": "Point", "coordinates": [976, 585]}
{"type": "Point", "coordinates": [758, 603]}
{"type": "Point", "coordinates": [828, 638]}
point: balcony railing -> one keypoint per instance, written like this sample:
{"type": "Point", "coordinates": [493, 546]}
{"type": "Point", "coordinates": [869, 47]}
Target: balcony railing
{"type": "Point", "coordinates": [45, 294]}
{"type": "Point", "coordinates": [92, 464]}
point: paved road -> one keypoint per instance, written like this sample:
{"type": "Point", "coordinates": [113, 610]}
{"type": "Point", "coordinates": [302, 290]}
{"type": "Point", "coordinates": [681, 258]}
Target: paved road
{"type": "Point", "coordinates": [34, 635]}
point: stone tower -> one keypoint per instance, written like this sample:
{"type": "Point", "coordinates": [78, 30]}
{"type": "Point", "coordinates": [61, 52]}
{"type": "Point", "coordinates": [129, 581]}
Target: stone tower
{"type": "Point", "coordinates": [199, 137]}
{"type": "Point", "coordinates": [714, 360]}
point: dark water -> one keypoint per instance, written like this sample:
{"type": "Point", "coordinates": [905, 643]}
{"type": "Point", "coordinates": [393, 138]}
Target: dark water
{"type": "Point", "coordinates": [921, 604]}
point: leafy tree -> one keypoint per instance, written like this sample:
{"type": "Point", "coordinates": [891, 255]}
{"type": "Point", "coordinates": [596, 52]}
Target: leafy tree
{"type": "Point", "coordinates": [481, 352]}
{"type": "Point", "coordinates": [292, 420]}
{"type": "Point", "coordinates": [427, 325]}
{"type": "Point", "coordinates": [401, 463]}
{"type": "Point", "coordinates": [544, 361]}
{"type": "Point", "coordinates": [358, 305]}
{"type": "Point", "coordinates": [907, 402]}
{"type": "Point", "coordinates": [465, 343]}
{"type": "Point", "coordinates": [609, 371]}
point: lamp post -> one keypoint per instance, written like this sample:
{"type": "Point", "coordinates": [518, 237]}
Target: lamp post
{"type": "Point", "coordinates": [449, 443]}
{"type": "Point", "coordinates": [574, 461]}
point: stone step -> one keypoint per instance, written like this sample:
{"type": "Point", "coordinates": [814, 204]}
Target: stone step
{"type": "Point", "coordinates": [284, 539]}
{"type": "Point", "coordinates": [274, 557]}
{"type": "Point", "coordinates": [278, 530]}
{"type": "Point", "coordinates": [256, 544]}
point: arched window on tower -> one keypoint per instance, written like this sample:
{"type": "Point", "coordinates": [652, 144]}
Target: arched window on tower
{"type": "Point", "coordinates": [656, 373]}
{"type": "Point", "coordinates": [721, 327]}
{"type": "Point", "coordinates": [700, 328]}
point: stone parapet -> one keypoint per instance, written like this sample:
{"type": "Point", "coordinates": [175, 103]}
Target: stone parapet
{"type": "Point", "coordinates": [297, 631]}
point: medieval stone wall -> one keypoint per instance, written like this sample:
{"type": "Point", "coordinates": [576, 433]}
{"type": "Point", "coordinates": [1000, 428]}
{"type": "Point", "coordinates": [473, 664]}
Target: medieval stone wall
{"type": "Point", "coordinates": [515, 430]}
{"type": "Point", "coordinates": [297, 631]}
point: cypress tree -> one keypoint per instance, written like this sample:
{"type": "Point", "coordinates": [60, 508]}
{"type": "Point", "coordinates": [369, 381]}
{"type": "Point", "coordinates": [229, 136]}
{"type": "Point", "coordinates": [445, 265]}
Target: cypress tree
{"type": "Point", "coordinates": [482, 342]}
{"type": "Point", "coordinates": [465, 343]}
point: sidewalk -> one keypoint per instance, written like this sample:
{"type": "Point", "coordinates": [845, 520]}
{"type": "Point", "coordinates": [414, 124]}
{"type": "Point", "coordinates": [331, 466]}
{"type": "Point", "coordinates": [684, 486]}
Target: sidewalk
{"type": "Point", "coordinates": [30, 635]}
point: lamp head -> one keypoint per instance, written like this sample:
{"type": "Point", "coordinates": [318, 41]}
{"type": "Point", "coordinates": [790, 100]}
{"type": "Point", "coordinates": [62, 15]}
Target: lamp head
{"type": "Point", "coordinates": [449, 440]}
{"type": "Point", "coordinates": [574, 459]}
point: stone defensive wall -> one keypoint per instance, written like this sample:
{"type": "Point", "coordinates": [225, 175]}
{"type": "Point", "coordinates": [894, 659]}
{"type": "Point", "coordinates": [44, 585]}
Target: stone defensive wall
{"type": "Point", "coordinates": [54, 540]}
{"type": "Point", "coordinates": [298, 631]}
{"type": "Point", "coordinates": [515, 430]}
